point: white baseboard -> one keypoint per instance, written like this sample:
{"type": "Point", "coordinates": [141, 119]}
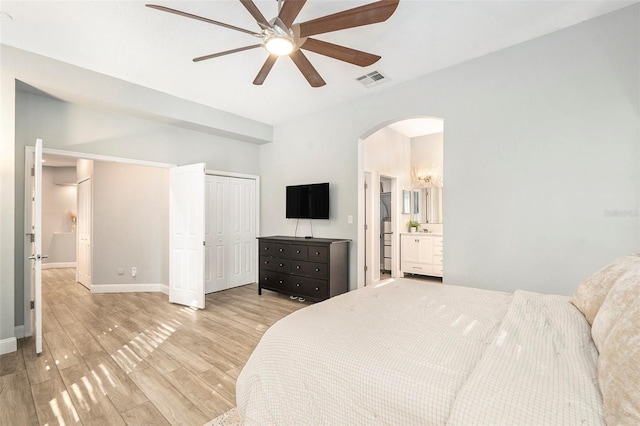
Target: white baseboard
{"type": "Point", "coordinates": [8, 345]}
{"type": "Point", "coordinates": [57, 265]}
{"type": "Point", "coordinates": [19, 332]}
{"type": "Point", "coordinates": [130, 288]}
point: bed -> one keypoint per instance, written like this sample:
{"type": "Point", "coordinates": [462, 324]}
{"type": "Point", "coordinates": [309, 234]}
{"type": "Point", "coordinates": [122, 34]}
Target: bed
{"type": "Point", "coordinates": [408, 352]}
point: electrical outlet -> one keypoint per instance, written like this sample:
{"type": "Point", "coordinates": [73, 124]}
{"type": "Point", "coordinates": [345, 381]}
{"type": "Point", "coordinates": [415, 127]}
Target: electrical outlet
{"type": "Point", "coordinates": [134, 271]}
{"type": "Point", "coordinates": [120, 271]}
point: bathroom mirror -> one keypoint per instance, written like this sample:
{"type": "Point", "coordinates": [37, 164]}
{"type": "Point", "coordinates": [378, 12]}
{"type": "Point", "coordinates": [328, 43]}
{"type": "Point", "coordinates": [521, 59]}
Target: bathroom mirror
{"type": "Point", "coordinates": [429, 205]}
{"type": "Point", "coordinates": [406, 202]}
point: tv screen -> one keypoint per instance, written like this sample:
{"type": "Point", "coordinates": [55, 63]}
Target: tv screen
{"type": "Point", "coordinates": [308, 201]}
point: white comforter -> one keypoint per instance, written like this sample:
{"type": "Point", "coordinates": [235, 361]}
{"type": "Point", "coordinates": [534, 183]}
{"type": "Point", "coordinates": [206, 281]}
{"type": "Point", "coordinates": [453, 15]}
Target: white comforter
{"type": "Point", "coordinates": [414, 353]}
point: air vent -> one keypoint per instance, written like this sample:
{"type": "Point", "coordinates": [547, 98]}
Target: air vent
{"type": "Point", "coordinates": [372, 79]}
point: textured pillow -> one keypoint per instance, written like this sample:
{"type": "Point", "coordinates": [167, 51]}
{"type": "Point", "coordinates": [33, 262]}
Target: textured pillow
{"type": "Point", "coordinates": [619, 370]}
{"type": "Point", "coordinates": [591, 293]}
{"type": "Point", "coordinates": [620, 298]}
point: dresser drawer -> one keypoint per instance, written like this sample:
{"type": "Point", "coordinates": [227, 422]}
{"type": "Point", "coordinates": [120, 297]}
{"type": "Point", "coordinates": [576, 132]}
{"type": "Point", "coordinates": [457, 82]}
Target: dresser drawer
{"type": "Point", "coordinates": [310, 269]}
{"type": "Point", "coordinates": [437, 241]}
{"type": "Point", "coordinates": [274, 249]}
{"type": "Point", "coordinates": [437, 261]}
{"type": "Point", "coordinates": [318, 254]}
{"type": "Point", "coordinates": [417, 268]}
{"type": "Point", "coordinates": [274, 280]}
{"type": "Point", "coordinates": [299, 252]}
{"type": "Point", "coordinates": [309, 287]}
{"type": "Point", "coordinates": [274, 264]}
{"type": "Point", "coordinates": [437, 270]}
{"type": "Point", "coordinates": [437, 250]}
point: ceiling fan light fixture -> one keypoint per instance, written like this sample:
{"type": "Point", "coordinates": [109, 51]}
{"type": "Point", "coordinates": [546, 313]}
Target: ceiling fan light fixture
{"type": "Point", "coordinates": [279, 46]}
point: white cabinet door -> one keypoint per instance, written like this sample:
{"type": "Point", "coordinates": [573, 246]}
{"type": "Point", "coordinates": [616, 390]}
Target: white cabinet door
{"type": "Point", "coordinates": [186, 241]}
{"type": "Point", "coordinates": [409, 249]}
{"type": "Point", "coordinates": [37, 255]}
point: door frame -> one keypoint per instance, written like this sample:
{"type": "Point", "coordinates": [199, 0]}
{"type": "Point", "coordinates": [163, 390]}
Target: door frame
{"type": "Point", "coordinates": [28, 208]}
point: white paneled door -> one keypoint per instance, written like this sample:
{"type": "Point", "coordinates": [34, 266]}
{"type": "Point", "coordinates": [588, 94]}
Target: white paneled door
{"type": "Point", "coordinates": [231, 232]}
{"type": "Point", "coordinates": [187, 235]}
{"type": "Point", "coordinates": [243, 231]}
{"type": "Point", "coordinates": [37, 256]}
{"type": "Point", "coordinates": [84, 257]}
{"type": "Point", "coordinates": [217, 237]}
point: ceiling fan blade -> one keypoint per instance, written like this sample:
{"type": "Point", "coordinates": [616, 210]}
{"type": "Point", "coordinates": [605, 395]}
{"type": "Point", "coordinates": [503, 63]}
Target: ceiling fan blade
{"type": "Point", "coordinates": [264, 71]}
{"type": "Point", "coordinates": [226, 52]}
{"type": "Point", "coordinates": [200, 18]}
{"type": "Point", "coordinates": [371, 13]}
{"type": "Point", "coordinates": [341, 53]}
{"type": "Point", "coordinates": [290, 11]}
{"type": "Point", "coordinates": [307, 70]}
{"type": "Point", "coordinates": [255, 12]}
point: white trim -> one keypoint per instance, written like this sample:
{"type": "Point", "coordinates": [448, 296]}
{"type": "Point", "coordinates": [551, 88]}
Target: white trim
{"type": "Point", "coordinates": [129, 288]}
{"type": "Point", "coordinates": [108, 158]}
{"type": "Point", "coordinates": [56, 265]}
{"type": "Point", "coordinates": [230, 174]}
{"type": "Point", "coordinates": [18, 332]}
{"type": "Point", "coordinates": [8, 345]}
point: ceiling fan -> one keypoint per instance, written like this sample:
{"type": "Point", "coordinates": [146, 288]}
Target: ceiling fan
{"type": "Point", "coordinates": [281, 37]}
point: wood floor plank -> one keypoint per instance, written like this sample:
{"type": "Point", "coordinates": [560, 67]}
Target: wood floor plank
{"type": "Point", "coordinates": [174, 406]}
{"type": "Point", "coordinates": [208, 400]}
{"type": "Point", "coordinates": [53, 402]}
{"type": "Point", "coordinates": [123, 393]}
{"type": "Point", "coordinates": [16, 402]}
{"type": "Point", "coordinates": [82, 339]}
{"type": "Point", "coordinates": [89, 396]}
{"type": "Point", "coordinates": [64, 352]}
{"type": "Point", "coordinates": [135, 358]}
{"type": "Point", "coordinates": [144, 414]}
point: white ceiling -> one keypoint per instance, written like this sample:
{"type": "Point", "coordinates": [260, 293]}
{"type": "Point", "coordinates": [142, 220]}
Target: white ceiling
{"type": "Point", "coordinates": [126, 40]}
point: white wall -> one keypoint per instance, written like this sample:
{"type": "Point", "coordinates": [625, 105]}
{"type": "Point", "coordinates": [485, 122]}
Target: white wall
{"type": "Point", "coordinates": [130, 224]}
{"type": "Point", "coordinates": [542, 141]}
{"type": "Point", "coordinates": [57, 199]}
{"type": "Point", "coordinates": [427, 151]}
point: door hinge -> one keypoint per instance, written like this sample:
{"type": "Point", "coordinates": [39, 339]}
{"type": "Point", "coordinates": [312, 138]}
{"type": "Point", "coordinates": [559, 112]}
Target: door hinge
{"type": "Point", "coordinates": [366, 268]}
{"type": "Point", "coordinates": [33, 171]}
{"type": "Point", "coordinates": [366, 186]}
{"type": "Point", "coordinates": [204, 243]}
{"type": "Point", "coordinates": [33, 304]}
{"type": "Point", "coordinates": [366, 227]}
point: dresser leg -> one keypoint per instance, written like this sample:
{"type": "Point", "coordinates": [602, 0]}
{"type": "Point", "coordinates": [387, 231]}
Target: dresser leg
{"type": "Point", "coordinates": [259, 290]}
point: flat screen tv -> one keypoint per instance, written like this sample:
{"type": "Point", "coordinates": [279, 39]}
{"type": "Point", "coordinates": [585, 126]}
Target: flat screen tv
{"type": "Point", "coordinates": [308, 201]}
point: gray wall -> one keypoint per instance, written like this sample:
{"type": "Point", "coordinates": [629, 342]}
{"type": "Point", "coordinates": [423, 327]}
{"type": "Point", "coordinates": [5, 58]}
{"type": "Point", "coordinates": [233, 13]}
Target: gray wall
{"type": "Point", "coordinates": [77, 128]}
{"type": "Point", "coordinates": [130, 224]}
{"type": "Point", "coordinates": [541, 145]}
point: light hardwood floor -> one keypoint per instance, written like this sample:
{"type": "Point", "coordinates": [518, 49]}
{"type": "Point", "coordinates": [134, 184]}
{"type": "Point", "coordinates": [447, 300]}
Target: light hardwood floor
{"type": "Point", "coordinates": [133, 358]}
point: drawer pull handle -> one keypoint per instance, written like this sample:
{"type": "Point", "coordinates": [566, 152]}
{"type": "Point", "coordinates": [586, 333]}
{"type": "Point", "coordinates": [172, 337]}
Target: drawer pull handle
{"type": "Point", "coordinates": [298, 285]}
{"type": "Point", "coordinates": [298, 267]}
{"type": "Point", "coordinates": [266, 248]}
{"type": "Point", "coordinates": [298, 251]}
{"type": "Point", "coordinates": [280, 249]}
{"type": "Point", "coordinates": [317, 289]}
{"type": "Point", "coordinates": [317, 253]}
{"type": "Point", "coordinates": [281, 265]}
{"type": "Point", "coordinates": [317, 269]}
{"type": "Point", "coordinates": [280, 281]}
{"type": "Point", "coordinates": [266, 262]}
{"type": "Point", "coordinates": [266, 278]}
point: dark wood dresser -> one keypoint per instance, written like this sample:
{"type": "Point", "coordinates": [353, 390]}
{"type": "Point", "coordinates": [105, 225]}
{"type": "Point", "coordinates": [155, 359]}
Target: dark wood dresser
{"type": "Point", "coordinates": [312, 268]}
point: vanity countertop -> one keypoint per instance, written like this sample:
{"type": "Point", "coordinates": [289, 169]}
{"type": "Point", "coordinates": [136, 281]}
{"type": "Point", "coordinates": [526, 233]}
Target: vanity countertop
{"type": "Point", "coordinates": [432, 234]}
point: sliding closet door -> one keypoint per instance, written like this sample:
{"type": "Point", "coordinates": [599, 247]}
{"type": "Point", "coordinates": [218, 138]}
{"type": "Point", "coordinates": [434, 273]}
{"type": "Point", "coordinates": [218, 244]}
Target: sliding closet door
{"type": "Point", "coordinates": [217, 234]}
{"type": "Point", "coordinates": [243, 207]}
